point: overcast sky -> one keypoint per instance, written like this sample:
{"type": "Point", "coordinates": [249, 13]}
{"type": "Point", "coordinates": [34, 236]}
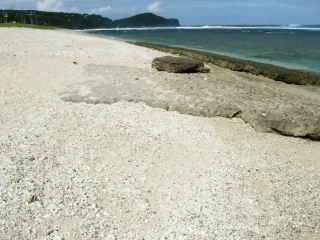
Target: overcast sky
{"type": "Point", "coordinates": [189, 11]}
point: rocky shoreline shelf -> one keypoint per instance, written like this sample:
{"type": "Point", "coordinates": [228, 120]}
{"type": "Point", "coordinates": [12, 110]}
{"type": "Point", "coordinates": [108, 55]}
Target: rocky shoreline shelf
{"type": "Point", "coordinates": [278, 73]}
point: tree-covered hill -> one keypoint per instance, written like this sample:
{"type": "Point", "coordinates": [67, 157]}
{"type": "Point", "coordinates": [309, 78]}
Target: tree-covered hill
{"type": "Point", "coordinates": [146, 20]}
{"type": "Point", "coordinates": [81, 21]}
{"type": "Point", "coordinates": [56, 19]}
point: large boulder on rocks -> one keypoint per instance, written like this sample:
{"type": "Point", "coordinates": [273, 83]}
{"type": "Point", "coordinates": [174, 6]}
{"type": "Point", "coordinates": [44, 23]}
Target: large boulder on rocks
{"type": "Point", "coordinates": [179, 65]}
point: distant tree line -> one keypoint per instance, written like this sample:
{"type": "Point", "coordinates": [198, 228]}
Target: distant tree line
{"type": "Point", "coordinates": [81, 21]}
{"type": "Point", "coordinates": [56, 19]}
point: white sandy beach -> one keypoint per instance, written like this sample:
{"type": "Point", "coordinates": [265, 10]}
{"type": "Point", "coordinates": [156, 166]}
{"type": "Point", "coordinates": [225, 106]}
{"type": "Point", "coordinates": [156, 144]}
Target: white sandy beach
{"type": "Point", "coordinates": [129, 171]}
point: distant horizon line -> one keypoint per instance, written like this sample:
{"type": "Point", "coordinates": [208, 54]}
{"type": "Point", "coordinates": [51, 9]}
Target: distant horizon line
{"type": "Point", "coordinates": [182, 25]}
{"type": "Point", "coordinates": [206, 27]}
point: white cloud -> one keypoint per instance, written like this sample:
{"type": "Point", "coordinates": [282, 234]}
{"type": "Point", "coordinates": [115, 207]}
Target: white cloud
{"type": "Point", "coordinates": [154, 6]}
{"type": "Point", "coordinates": [74, 10]}
{"type": "Point", "coordinates": [50, 5]}
{"type": "Point", "coordinates": [101, 10]}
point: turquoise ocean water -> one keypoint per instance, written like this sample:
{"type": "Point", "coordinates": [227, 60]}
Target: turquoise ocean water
{"type": "Point", "coordinates": [293, 47]}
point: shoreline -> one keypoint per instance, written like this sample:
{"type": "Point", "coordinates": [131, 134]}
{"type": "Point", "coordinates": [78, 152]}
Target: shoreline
{"type": "Point", "coordinates": [263, 119]}
{"type": "Point", "coordinates": [150, 161]}
{"type": "Point", "coordinates": [202, 27]}
{"type": "Point", "coordinates": [275, 72]}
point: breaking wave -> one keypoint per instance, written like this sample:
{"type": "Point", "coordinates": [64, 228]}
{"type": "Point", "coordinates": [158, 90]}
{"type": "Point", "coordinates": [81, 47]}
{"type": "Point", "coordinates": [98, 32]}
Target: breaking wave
{"type": "Point", "coordinates": [282, 27]}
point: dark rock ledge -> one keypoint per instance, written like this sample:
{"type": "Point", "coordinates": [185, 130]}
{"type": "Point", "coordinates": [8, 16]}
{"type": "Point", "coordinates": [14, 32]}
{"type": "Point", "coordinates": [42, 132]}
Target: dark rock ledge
{"type": "Point", "coordinates": [179, 65]}
{"type": "Point", "coordinates": [291, 76]}
{"type": "Point", "coordinates": [267, 105]}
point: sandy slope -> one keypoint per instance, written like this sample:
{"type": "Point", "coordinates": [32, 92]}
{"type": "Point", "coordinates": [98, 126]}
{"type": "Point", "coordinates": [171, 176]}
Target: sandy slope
{"type": "Point", "coordinates": [129, 171]}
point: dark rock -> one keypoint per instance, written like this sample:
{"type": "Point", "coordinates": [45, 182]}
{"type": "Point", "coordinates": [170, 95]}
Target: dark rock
{"type": "Point", "coordinates": [178, 65]}
{"type": "Point", "coordinates": [281, 74]}
{"type": "Point", "coordinates": [50, 232]}
{"type": "Point", "coordinates": [288, 120]}
{"type": "Point", "coordinates": [31, 158]}
{"type": "Point", "coordinates": [33, 199]}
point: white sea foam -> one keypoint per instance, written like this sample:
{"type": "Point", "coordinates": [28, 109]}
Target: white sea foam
{"type": "Point", "coordinates": [287, 27]}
